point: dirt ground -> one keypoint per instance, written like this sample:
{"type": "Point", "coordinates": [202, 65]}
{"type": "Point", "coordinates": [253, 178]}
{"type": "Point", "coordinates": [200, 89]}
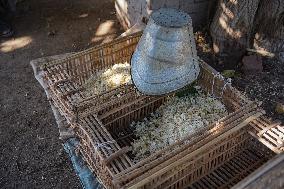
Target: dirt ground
{"type": "Point", "coordinates": [31, 155]}
{"type": "Point", "coordinates": [266, 86]}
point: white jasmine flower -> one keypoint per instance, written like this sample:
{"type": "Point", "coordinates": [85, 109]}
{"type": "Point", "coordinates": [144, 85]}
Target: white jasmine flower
{"type": "Point", "coordinates": [174, 120]}
{"type": "Point", "coordinates": [108, 79]}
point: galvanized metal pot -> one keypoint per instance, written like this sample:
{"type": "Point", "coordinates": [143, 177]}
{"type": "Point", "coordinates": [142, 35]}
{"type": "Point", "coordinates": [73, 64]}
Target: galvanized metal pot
{"type": "Point", "coordinates": [165, 59]}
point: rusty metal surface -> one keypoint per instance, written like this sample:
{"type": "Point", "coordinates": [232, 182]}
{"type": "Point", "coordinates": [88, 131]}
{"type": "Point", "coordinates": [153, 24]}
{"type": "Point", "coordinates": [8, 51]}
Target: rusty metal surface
{"type": "Point", "coordinates": [165, 59]}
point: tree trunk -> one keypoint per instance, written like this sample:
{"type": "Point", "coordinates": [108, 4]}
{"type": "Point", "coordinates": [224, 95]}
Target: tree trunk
{"type": "Point", "coordinates": [269, 26]}
{"type": "Point", "coordinates": [232, 27]}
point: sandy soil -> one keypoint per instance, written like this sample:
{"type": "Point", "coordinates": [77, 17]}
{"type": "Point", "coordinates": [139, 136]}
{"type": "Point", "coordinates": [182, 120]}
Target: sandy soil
{"type": "Point", "coordinates": [266, 86]}
{"type": "Point", "coordinates": [31, 155]}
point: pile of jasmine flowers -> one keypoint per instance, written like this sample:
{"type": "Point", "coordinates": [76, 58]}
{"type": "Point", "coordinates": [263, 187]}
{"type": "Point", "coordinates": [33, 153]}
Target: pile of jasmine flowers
{"type": "Point", "coordinates": [108, 79]}
{"type": "Point", "coordinates": [174, 120]}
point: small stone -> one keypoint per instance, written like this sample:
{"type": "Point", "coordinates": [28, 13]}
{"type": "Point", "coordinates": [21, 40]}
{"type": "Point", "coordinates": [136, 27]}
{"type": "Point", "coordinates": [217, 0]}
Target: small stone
{"type": "Point", "coordinates": [279, 108]}
{"type": "Point", "coordinates": [252, 64]}
{"type": "Point", "coordinates": [83, 15]}
{"type": "Point", "coordinates": [39, 138]}
{"type": "Point", "coordinates": [51, 33]}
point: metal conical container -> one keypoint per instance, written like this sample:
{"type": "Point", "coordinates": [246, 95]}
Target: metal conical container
{"type": "Point", "coordinates": [165, 59]}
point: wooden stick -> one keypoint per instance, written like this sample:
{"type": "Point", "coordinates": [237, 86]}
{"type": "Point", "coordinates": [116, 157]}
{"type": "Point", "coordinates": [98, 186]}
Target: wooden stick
{"type": "Point", "coordinates": [262, 52]}
{"type": "Point", "coordinates": [117, 154]}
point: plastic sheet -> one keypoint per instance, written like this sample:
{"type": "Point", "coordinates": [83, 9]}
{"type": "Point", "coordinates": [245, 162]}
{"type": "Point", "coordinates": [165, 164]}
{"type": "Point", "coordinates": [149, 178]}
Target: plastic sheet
{"type": "Point", "coordinates": [87, 178]}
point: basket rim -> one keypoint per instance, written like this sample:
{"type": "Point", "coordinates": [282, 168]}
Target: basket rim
{"type": "Point", "coordinates": [158, 170]}
{"type": "Point", "coordinates": [221, 128]}
{"type": "Point", "coordinates": [89, 99]}
{"type": "Point", "coordinates": [84, 52]}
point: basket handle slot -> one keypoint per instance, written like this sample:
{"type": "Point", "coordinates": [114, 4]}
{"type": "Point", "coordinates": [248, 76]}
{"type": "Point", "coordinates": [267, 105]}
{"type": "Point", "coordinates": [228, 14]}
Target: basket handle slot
{"type": "Point", "coordinates": [117, 154]}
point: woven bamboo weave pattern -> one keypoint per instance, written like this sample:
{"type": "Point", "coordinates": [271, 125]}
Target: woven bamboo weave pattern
{"type": "Point", "coordinates": [102, 123]}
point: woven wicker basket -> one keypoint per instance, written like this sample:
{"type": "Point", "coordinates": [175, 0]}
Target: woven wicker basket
{"type": "Point", "coordinates": [269, 175]}
{"type": "Point", "coordinates": [66, 77]}
{"type": "Point", "coordinates": [101, 122]}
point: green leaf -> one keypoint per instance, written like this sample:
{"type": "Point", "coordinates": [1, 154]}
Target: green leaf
{"type": "Point", "coordinates": [187, 90]}
{"type": "Point", "coordinates": [229, 73]}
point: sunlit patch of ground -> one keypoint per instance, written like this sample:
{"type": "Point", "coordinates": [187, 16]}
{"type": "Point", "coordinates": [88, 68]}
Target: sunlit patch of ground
{"type": "Point", "coordinates": [14, 44]}
{"type": "Point", "coordinates": [105, 32]}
